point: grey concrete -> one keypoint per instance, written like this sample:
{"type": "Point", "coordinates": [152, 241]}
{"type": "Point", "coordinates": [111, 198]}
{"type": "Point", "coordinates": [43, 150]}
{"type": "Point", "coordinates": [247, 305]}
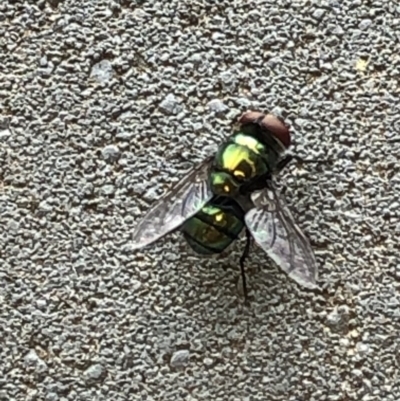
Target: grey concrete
{"type": "Point", "coordinates": [105, 104]}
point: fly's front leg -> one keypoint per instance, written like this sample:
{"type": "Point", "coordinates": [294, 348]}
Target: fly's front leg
{"type": "Point", "coordinates": [284, 162]}
{"type": "Point", "coordinates": [288, 158]}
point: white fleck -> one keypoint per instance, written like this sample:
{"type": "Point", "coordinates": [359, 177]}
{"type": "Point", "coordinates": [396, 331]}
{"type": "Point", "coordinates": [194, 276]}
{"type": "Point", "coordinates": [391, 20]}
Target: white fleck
{"type": "Point", "coordinates": [135, 285]}
{"type": "Point", "coordinates": [180, 358]}
{"type": "Point", "coordinates": [102, 71]}
{"type": "Point", "coordinates": [197, 126]}
{"type": "Point", "coordinates": [365, 24]}
{"type": "Point", "coordinates": [227, 77]}
{"type": "Point", "coordinates": [362, 348]}
{"type": "Point", "coordinates": [32, 359]}
{"type": "Point", "coordinates": [110, 153]}
{"type": "Point", "coordinates": [52, 396]}
{"type": "Point", "coordinates": [171, 104]}
{"type": "Point", "coordinates": [318, 13]}
{"type": "Point", "coordinates": [217, 106]}
{"type": "Point", "coordinates": [216, 36]}
{"type": "Point", "coordinates": [43, 61]}
{"type": "Point", "coordinates": [108, 189]}
{"type": "Point", "coordinates": [208, 361]}
{"type": "Point", "coordinates": [41, 303]}
{"type": "Point", "coordinates": [5, 133]}
{"type": "Point", "coordinates": [94, 372]}
{"type": "Point", "coordinates": [45, 207]}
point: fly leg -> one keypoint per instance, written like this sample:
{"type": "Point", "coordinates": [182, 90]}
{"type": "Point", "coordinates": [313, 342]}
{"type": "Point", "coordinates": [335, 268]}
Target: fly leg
{"type": "Point", "coordinates": [244, 256]}
{"type": "Point", "coordinates": [288, 158]}
{"type": "Point", "coordinates": [259, 183]}
{"type": "Point", "coordinates": [284, 162]}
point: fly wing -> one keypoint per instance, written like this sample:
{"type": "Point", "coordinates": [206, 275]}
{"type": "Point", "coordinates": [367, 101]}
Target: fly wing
{"type": "Point", "coordinates": [183, 201]}
{"type": "Point", "coordinates": [275, 231]}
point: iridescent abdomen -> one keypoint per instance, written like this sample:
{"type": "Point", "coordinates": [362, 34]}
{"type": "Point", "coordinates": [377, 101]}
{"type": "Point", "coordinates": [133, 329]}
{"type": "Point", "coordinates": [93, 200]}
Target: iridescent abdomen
{"type": "Point", "coordinates": [215, 227]}
{"type": "Point", "coordinates": [240, 160]}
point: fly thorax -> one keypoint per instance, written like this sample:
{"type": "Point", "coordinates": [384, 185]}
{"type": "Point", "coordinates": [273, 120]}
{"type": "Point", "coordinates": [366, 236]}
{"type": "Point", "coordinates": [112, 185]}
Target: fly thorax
{"type": "Point", "coordinates": [223, 184]}
{"type": "Point", "coordinates": [239, 161]}
{"type": "Point", "coordinates": [260, 143]}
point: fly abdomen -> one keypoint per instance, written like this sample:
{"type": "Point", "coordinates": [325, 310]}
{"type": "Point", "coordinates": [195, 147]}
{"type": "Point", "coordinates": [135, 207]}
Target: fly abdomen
{"type": "Point", "coordinates": [215, 227]}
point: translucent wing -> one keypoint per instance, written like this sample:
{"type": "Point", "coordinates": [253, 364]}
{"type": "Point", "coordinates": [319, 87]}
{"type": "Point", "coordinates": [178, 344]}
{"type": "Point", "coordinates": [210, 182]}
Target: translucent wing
{"type": "Point", "coordinates": [274, 230]}
{"type": "Point", "coordinates": [183, 201]}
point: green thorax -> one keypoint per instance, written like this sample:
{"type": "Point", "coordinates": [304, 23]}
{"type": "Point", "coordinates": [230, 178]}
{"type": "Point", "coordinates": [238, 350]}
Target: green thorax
{"type": "Point", "coordinates": [243, 158]}
{"type": "Point", "coordinates": [215, 227]}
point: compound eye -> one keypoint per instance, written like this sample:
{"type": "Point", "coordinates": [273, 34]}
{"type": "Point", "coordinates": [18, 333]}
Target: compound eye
{"type": "Point", "coordinates": [270, 123]}
{"type": "Point", "coordinates": [277, 127]}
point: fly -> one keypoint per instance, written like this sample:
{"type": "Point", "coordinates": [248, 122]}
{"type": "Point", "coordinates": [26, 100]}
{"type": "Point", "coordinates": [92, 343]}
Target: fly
{"type": "Point", "coordinates": [232, 191]}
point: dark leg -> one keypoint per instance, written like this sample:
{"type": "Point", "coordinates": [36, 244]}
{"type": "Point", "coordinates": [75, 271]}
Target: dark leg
{"type": "Point", "coordinates": [284, 162]}
{"type": "Point", "coordinates": [245, 254]}
{"type": "Point", "coordinates": [299, 160]}
{"type": "Point", "coordinates": [259, 183]}
{"type": "Point", "coordinates": [287, 159]}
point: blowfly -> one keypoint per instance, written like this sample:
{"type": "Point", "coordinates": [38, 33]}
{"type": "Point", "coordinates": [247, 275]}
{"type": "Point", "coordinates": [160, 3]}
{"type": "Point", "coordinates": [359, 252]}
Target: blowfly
{"type": "Point", "coordinates": [232, 191]}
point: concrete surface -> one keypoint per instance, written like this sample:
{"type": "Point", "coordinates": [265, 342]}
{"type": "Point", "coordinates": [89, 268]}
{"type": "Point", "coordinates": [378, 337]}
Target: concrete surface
{"type": "Point", "coordinates": [105, 104]}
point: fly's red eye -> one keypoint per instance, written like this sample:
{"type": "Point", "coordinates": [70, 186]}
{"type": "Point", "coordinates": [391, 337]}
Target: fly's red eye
{"type": "Point", "coordinates": [277, 128]}
{"type": "Point", "coordinates": [270, 123]}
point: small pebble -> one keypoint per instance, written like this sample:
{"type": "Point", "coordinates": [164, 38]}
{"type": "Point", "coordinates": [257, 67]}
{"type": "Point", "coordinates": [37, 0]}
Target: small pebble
{"type": "Point", "coordinates": [180, 358]}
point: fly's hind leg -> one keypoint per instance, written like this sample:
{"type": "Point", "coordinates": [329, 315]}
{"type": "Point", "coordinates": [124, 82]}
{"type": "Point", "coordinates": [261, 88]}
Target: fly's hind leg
{"type": "Point", "coordinates": [244, 256]}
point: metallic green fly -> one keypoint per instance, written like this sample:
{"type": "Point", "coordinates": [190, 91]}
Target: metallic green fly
{"type": "Point", "coordinates": [234, 190]}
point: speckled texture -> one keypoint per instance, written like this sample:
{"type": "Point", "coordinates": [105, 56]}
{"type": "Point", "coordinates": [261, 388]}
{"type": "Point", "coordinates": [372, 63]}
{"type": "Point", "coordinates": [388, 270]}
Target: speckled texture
{"type": "Point", "coordinates": [104, 105]}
